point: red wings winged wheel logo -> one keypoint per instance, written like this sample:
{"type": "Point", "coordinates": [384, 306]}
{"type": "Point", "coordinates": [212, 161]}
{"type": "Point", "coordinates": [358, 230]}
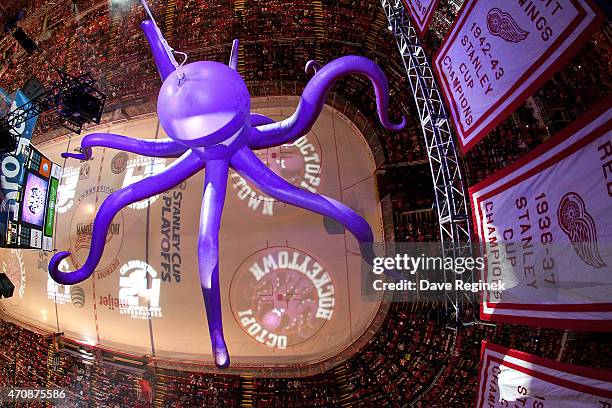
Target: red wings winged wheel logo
{"type": "Point", "coordinates": [579, 226]}
{"type": "Point", "coordinates": [501, 24]}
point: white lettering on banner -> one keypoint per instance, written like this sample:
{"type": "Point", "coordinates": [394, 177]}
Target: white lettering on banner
{"type": "Point", "coordinates": [510, 378]}
{"type": "Point", "coordinates": [546, 236]}
{"type": "Point", "coordinates": [499, 52]}
{"type": "Point", "coordinates": [421, 12]}
{"type": "Point", "coordinates": [605, 150]}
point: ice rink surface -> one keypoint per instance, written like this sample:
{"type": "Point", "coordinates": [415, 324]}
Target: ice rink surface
{"type": "Point", "coordinates": [290, 280]}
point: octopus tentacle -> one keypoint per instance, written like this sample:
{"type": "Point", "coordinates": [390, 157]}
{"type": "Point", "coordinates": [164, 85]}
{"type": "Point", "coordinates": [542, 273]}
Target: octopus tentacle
{"type": "Point", "coordinates": [257, 119]}
{"type": "Point", "coordinates": [215, 184]}
{"type": "Point", "coordinates": [154, 148]}
{"type": "Point", "coordinates": [250, 167]}
{"type": "Point", "coordinates": [312, 66]}
{"type": "Point", "coordinates": [165, 66]}
{"type": "Point", "coordinates": [313, 99]}
{"type": "Point", "coordinates": [233, 63]}
{"type": "Point", "coordinates": [173, 175]}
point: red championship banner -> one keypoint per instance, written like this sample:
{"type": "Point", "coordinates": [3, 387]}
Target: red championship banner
{"type": "Point", "coordinates": [421, 12]}
{"type": "Point", "coordinates": [499, 52]}
{"type": "Point", "coordinates": [546, 221]}
{"type": "Point", "coordinates": [511, 378]}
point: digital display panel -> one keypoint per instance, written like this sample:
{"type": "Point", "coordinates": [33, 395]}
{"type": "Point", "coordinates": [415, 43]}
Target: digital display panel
{"type": "Point", "coordinates": [34, 198]}
{"type": "Point", "coordinates": [53, 186]}
{"type": "Point", "coordinates": [32, 218]}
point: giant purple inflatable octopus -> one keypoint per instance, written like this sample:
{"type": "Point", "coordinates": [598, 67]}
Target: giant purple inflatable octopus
{"type": "Point", "coordinates": [205, 109]}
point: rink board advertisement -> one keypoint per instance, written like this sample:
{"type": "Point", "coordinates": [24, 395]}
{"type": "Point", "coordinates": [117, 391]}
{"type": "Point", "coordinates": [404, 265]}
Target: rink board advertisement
{"type": "Point", "coordinates": [547, 227]}
{"type": "Point", "coordinates": [421, 12]}
{"type": "Point", "coordinates": [482, 80]}
{"type": "Point", "coordinates": [511, 378]}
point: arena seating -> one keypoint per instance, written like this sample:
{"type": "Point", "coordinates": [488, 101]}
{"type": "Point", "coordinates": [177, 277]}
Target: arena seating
{"type": "Point", "coordinates": [319, 391]}
{"type": "Point", "coordinates": [395, 368]}
{"type": "Point", "coordinates": [189, 389]}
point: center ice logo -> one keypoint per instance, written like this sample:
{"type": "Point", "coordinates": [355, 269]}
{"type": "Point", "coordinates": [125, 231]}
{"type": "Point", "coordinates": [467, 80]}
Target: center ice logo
{"type": "Point", "coordinates": [282, 297]}
{"type": "Point", "coordinates": [81, 227]}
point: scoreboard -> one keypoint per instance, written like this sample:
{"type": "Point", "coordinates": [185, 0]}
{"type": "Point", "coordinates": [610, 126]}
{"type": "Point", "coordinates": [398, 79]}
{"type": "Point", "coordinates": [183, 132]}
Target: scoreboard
{"type": "Point", "coordinates": [30, 221]}
{"type": "Point", "coordinates": [28, 185]}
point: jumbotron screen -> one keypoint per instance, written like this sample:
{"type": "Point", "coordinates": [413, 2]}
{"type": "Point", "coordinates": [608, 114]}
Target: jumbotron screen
{"type": "Point", "coordinates": [31, 223]}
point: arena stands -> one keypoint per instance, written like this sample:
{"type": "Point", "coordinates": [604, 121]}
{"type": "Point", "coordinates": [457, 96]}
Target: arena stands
{"type": "Point", "coordinates": [396, 368]}
{"type": "Point", "coordinates": [319, 391]}
{"type": "Point", "coordinates": [189, 389]}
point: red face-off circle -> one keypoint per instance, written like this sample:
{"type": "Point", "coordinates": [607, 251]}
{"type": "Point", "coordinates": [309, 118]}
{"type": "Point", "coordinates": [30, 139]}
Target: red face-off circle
{"type": "Point", "coordinates": [298, 163]}
{"type": "Point", "coordinates": [81, 226]}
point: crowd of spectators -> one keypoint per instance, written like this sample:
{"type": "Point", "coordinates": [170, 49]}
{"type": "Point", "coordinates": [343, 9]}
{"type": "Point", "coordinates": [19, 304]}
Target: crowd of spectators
{"type": "Point", "coordinates": [413, 359]}
{"type": "Point", "coordinates": [189, 389]}
{"type": "Point", "coordinates": [34, 360]}
{"type": "Point", "coordinates": [23, 356]}
{"type": "Point", "coordinates": [117, 388]}
{"type": "Point", "coordinates": [318, 391]}
{"type": "Point", "coordinates": [588, 349]}
{"type": "Point", "coordinates": [457, 383]}
{"type": "Point", "coordinates": [75, 374]}
{"type": "Point", "coordinates": [414, 216]}
{"type": "Point", "coordinates": [402, 359]}
{"type": "Point", "coordinates": [349, 21]}
{"type": "Point", "coordinates": [9, 338]}
{"type": "Point", "coordinates": [203, 23]}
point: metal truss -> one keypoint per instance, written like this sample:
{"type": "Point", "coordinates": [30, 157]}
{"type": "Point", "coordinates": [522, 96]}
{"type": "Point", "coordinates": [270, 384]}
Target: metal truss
{"type": "Point", "coordinates": [69, 88]}
{"type": "Point", "coordinates": [446, 171]}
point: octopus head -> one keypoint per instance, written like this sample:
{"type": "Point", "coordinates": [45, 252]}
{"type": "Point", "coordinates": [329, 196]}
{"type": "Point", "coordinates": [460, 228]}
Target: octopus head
{"type": "Point", "coordinates": [203, 103]}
